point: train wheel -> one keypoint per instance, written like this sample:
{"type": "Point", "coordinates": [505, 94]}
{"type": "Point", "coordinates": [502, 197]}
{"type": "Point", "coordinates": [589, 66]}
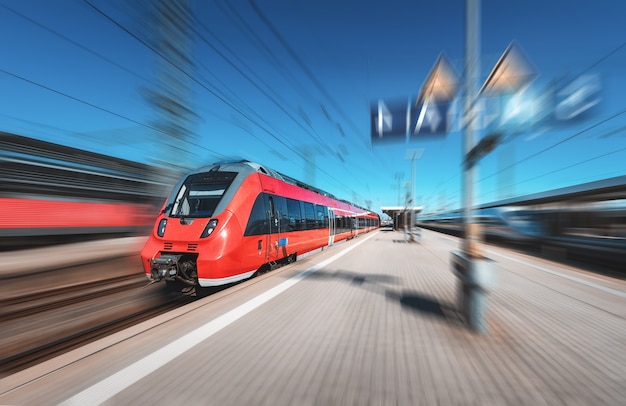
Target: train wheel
{"type": "Point", "coordinates": [262, 270]}
{"type": "Point", "coordinates": [177, 287]}
{"type": "Point", "coordinates": [204, 292]}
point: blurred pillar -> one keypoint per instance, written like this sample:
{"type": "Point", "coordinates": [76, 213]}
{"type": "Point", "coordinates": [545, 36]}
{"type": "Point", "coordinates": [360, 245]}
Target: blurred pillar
{"type": "Point", "coordinates": [474, 271]}
{"type": "Point", "coordinates": [471, 111]}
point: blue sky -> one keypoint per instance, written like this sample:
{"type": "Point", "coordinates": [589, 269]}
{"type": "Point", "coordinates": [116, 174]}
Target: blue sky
{"type": "Point", "coordinates": [295, 80]}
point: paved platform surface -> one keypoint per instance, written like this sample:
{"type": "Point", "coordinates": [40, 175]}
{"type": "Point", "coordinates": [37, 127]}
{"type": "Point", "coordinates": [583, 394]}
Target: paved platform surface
{"type": "Point", "coordinates": [374, 321]}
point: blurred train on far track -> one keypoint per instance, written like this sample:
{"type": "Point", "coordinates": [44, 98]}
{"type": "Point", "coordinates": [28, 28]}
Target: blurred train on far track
{"type": "Point", "coordinates": [50, 193]}
{"type": "Point", "coordinates": [583, 222]}
{"type": "Point", "coordinates": [508, 224]}
{"type": "Point", "coordinates": [226, 222]}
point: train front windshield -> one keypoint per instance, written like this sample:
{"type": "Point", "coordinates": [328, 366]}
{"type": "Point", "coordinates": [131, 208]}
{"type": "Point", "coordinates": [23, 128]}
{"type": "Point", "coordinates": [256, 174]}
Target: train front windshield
{"type": "Point", "coordinates": [199, 195]}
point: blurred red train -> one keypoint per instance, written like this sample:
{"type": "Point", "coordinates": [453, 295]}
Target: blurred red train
{"type": "Point", "coordinates": [224, 223]}
{"type": "Point", "coordinates": [51, 193]}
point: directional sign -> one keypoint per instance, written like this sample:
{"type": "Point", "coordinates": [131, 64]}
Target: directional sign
{"type": "Point", "coordinates": [388, 120]}
{"type": "Point", "coordinates": [556, 105]}
{"type": "Point", "coordinates": [578, 98]}
{"type": "Point", "coordinates": [430, 117]}
{"type": "Point", "coordinates": [394, 120]}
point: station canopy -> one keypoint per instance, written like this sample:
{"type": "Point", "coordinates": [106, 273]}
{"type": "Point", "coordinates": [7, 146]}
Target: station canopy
{"type": "Point", "coordinates": [394, 211]}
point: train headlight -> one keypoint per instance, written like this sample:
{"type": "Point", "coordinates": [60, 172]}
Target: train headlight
{"type": "Point", "coordinates": [161, 227]}
{"type": "Point", "coordinates": [209, 228]}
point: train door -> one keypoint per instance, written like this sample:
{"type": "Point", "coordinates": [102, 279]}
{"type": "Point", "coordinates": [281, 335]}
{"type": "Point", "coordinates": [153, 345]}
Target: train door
{"type": "Point", "coordinates": [274, 231]}
{"type": "Point", "coordinates": [332, 226]}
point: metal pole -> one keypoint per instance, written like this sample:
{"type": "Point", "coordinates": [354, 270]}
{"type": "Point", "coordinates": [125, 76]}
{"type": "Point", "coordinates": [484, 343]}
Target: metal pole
{"type": "Point", "coordinates": [472, 72]}
{"type": "Point", "coordinates": [475, 269]}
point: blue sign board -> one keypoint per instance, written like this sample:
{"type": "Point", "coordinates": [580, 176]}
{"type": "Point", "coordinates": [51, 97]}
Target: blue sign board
{"type": "Point", "coordinates": [388, 120]}
{"type": "Point", "coordinates": [430, 117]}
{"type": "Point", "coordinates": [556, 105]}
{"type": "Point", "coordinates": [396, 120]}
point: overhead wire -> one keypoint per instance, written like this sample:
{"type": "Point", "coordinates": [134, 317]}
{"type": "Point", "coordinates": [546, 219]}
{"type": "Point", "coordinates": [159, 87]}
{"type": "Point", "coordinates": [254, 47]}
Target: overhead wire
{"type": "Point", "coordinates": [245, 28]}
{"type": "Point", "coordinates": [222, 98]}
{"type": "Point", "coordinates": [95, 106]}
{"type": "Point", "coordinates": [75, 43]}
{"type": "Point", "coordinates": [214, 93]}
{"type": "Point", "coordinates": [574, 165]}
{"type": "Point", "coordinates": [255, 82]}
{"type": "Point", "coordinates": [249, 32]}
{"type": "Point", "coordinates": [597, 124]}
{"type": "Point", "coordinates": [303, 66]}
{"type": "Point", "coordinates": [321, 88]}
{"type": "Point", "coordinates": [100, 56]}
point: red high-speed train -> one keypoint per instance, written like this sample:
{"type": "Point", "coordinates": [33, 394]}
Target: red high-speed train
{"type": "Point", "coordinates": [223, 223]}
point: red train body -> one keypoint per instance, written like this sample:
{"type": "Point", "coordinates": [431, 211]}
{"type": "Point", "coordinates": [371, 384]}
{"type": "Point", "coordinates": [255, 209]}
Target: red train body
{"type": "Point", "coordinates": [224, 223]}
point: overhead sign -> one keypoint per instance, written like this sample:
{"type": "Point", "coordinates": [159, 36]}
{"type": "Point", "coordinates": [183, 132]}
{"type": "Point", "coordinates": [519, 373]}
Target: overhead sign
{"type": "Point", "coordinates": [430, 117]}
{"type": "Point", "coordinates": [512, 71]}
{"type": "Point", "coordinates": [388, 120]}
{"type": "Point", "coordinates": [398, 121]}
{"type": "Point", "coordinates": [578, 98]}
{"type": "Point", "coordinates": [556, 105]}
{"type": "Point", "coordinates": [441, 84]}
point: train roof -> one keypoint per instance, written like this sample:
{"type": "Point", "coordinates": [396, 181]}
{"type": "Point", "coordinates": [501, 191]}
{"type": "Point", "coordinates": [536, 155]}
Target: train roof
{"type": "Point", "coordinates": [606, 189]}
{"type": "Point", "coordinates": [249, 166]}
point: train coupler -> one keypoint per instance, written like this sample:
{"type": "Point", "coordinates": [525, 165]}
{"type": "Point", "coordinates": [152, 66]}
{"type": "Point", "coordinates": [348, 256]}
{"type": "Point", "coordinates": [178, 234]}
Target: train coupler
{"type": "Point", "coordinates": [164, 267]}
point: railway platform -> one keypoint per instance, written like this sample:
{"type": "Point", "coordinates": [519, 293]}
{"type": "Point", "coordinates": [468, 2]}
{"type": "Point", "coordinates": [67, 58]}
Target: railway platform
{"type": "Point", "coordinates": [373, 321]}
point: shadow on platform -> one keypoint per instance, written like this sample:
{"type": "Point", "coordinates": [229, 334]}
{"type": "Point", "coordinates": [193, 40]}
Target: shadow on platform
{"type": "Point", "coordinates": [421, 303]}
{"type": "Point", "coordinates": [356, 278]}
{"type": "Point", "coordinates": [379, 284]}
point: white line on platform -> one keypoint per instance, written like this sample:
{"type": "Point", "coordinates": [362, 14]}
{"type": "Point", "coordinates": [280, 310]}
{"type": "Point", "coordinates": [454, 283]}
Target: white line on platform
{"type": "Point", "coordinates": [114, 384]}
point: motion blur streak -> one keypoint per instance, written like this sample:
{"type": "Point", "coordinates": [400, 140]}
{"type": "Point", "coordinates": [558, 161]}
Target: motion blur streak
{"type": "Point", "coordinates": [34, 214]}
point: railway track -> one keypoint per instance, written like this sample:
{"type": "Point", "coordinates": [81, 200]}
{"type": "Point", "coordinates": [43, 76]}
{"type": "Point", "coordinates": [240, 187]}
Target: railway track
{"type": "Point", "coordinates": [77, 305]}
{"type": "Point", "coordinates": [23, 306]}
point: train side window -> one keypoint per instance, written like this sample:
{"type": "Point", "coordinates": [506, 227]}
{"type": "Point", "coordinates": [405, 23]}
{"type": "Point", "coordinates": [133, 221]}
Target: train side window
{"type": "Point", "coordinates": [321, 220]}
{"type": "Point", "coordinates": [258, 222]}
{"type": "Point", "coordinates": [281, 212]}
{"type": "Point", "coordinates": [303, 212]}
{"type": "Point", "coordinates": [309, 214]}
{"type": "Point", "coordinates": [295, 216]}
